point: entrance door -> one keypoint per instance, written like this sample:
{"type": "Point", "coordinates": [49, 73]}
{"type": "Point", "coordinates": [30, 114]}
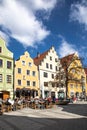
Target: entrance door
{"type": "Point", "coordinates": [53, 96]}
{"type": "Point", "coordinates": [1, 95]}
{"type": "Point", "coordinates": [60, 95]}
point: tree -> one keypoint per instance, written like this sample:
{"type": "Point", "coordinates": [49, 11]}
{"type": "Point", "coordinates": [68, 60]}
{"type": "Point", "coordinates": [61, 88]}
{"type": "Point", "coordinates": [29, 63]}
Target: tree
{"type": "Point", "coordinates": [60, 80]}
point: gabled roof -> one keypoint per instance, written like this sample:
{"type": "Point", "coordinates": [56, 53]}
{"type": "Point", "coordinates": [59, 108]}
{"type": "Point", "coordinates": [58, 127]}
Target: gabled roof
{"type": "Point", "coordinates": [39, 58]}
{"type": "Point", "coordinates": [65, 61]}
{"type": "Point", "coordinates": [85, 71]}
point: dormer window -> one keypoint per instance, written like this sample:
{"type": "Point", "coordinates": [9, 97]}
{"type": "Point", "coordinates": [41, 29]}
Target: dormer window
{"type": "Point", "coordinates": [23, 62]}
{"type": "Point", "coordinates": [30, 64]}
{"type": "Point", "coordinates": [50, 57]}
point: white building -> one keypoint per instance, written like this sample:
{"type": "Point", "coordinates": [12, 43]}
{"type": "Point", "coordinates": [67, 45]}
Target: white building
{"type": "Point", "coordinates": [47, 63]}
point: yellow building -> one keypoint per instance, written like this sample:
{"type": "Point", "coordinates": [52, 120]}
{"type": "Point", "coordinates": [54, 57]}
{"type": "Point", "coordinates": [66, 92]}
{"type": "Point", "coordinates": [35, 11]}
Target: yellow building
{"type": "Point", "coordinates": [86, 79]}
{"type": "Point", "coordinates": [26, 82]}
{"type": "Point", "coordinates": [75, 76]}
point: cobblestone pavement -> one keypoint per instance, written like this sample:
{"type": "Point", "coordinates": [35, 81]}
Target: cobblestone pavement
{"type": "Point", "coordinates": [67, 117]}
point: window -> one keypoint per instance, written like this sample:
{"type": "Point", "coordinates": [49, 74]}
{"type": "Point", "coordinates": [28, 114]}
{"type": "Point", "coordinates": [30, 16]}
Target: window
{"type": "Point", "coordinates": [0, 50]}
{"type": "Point", "coordinates": [47, 65]}
{"type": "Point", "coordinates": [62, 77]}
{"type": "Point", "coordinates": [52, 76]}
{"type": "Point", "coordinates": [1, 62]}
{"type": "Point", "coordinates": [34, 83]}
{"type": "Point", "coordinates": [57, 85]}
{"type": "Point", "coordinates": [71, 85]}
{"type": "Point", "coordinates": [19, 82]}
{"type": "Point", "coordinates": [23, 62]}
{"type": "Point", "coordinates": [50, 57]}
{"type": "Point", "coordinates": [45, 74]}
{"type": "Point", "coordinates": [73, 70]}
{"type": "Point", "coordinates": [56, 60]}
{"type": "Point", "coordinates": [71, 94]}
{"type": "Point", "coordinates": [77, 86]}
{"type": "Point", "coordinates": [28, 83]}
{"type": "Point", "coordinates": [30, 64]}
{"type": "Point", "coordinates": [8, 78]}
{"type": "Point", "coordinates": [59, 68]}
{"type": "Point", "coordinates": [19, 70]}
{"type": "Point", "coordinates": [53, 84]}
{"type": "Point", "coordinates": [46, 84]}
{"type": "Point", "coordinates": [28, 72]}
{"type": "Point", "coordinates": [33, 73]}
{"type": "Point", "coordinates": [1, 77]}
{"type": "Point", "coordinates": [9, 64]}
{"type": "Point", "coordinates": [56, 68]}
{"type": "Point", "coordinates": [57, 77]}
{"type": "Point", "coordinates": [51, 66]}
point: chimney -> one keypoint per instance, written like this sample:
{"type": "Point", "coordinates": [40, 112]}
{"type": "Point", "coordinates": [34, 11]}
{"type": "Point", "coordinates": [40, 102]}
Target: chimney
{"type": "Point", "coordinates": [38, 54]}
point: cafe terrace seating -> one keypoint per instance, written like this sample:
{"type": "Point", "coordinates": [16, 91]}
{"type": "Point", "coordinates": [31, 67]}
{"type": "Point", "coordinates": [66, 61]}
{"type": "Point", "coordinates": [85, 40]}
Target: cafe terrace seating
{"type": "Point", "coordinates": [16, 104]}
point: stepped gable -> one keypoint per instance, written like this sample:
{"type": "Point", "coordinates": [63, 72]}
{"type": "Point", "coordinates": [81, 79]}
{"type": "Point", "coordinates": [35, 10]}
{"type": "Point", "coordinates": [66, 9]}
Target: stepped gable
{"type": "Point", "coordinates": [65, 61]}
{"type": "Point", "coordinates": [39, 58]}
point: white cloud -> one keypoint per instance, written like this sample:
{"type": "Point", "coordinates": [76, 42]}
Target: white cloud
{"type": "Point", "coordinates": [20, 20]}
{"type": "Point", "coordinates": [40, 4]}
{"type": "Point", "coordinates": [65, 48]}
{"type": "Point", "coordinates": [79, 13]}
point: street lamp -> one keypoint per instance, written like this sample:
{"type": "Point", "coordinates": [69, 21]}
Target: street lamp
{"type": "Point", "coordinates": [50, 88]}
{"type": "Point", "coordinates": [83, 85]}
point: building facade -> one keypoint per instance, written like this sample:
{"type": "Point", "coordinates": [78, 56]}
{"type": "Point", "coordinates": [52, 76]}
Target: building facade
{"type": "Point", "coordinates": [75, 75]}
{"type": "Point", "coordinates": [6, 71]}
{"type": "Point", "coordinates": [26, 82]}
{"type": "Point", "coordinates": [47, 63]}
{"type": "Point", "coordinates": [86, 82]}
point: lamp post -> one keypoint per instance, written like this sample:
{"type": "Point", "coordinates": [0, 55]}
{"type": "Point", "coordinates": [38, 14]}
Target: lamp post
{"type": "Point", "coordinates": [83, 85]}
{"type": "Point", "coordinates": [50, 88]}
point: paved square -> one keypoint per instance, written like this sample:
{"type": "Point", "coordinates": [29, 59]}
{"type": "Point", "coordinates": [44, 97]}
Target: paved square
{"type": "Point", "coordinates": [68, 117]}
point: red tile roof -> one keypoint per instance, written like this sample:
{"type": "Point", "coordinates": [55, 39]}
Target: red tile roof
{"type": "Point", "coordinates": [39, 58]}
{"type": "Point", "coordinates": [85, 71]}
{"type": "Point", "coordinates": [65, 61]}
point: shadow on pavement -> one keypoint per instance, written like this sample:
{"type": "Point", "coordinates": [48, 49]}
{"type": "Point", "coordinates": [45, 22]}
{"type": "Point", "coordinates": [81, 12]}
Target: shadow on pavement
{"type": "Point", "coordinates": [80, 109]}
{"type": "Point", "coordinates": [11, 122]}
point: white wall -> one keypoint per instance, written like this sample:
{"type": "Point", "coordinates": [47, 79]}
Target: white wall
{"type": "Point", "coordinates": [42, 68]}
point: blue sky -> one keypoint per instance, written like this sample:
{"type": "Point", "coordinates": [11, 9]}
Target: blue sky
{"type": "Point", "coordinates": [36, 25]}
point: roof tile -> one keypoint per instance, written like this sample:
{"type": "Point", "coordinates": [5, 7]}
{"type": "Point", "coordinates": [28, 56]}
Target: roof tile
{"type": "Point", "coordinates": [39, 58]}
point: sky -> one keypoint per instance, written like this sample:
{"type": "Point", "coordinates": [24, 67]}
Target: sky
{"type": "Point", "coordinates": [36, 25]}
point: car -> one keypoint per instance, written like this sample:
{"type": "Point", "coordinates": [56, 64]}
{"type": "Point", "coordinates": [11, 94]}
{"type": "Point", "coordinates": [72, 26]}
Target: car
{"type": "Point", "coordinates": [62, 102]}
